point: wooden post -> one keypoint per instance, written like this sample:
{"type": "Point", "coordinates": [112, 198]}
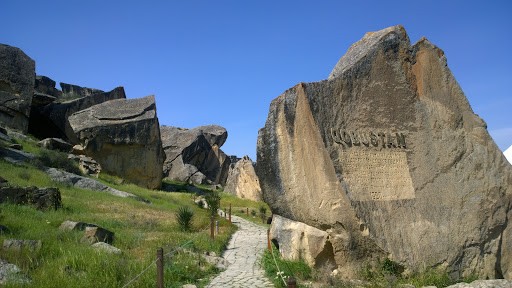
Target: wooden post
{"type": "Point", "coordinates": [247, 211]}
{"type": "Point", "coordinates": [291, 282]}
{"type": "Point", "coordinates": [212, 228]}
{"type": "Point", "coordinates": [160, 268]}
{"type": "Point", "coordinates": [269, 245]}
{"type": "Point", "coordinates": [230, 213]}
{"type": "Point", "coordinates": [225, 213]}
{"type": "Point", "coordinates": [217, 227]}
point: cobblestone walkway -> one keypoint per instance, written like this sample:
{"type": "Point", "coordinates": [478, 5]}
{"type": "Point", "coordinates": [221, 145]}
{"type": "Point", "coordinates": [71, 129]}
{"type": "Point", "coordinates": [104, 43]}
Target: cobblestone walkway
{"type": "Point", "coordinates": [244, 253]}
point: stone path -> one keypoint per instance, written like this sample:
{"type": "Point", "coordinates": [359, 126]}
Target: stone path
{"type": "Point", "coordinates": [244, 253]}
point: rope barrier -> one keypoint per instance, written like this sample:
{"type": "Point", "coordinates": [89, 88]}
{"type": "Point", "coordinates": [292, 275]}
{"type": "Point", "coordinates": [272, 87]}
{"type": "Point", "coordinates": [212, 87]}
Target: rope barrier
{"type": "Point", "coordinates": [140, 274]}
{"type": "Point", "coordinates": [277, 266]}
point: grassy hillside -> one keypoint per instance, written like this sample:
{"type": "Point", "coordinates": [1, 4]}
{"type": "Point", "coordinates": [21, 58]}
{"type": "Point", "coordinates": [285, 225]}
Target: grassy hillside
{"type": "Point", "coordinates": [140, 228]}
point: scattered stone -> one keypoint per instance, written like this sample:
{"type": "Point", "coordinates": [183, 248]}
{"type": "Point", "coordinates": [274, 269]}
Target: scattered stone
{"type": "Point", "coordinates": [15, 156]}
{"type": "Point", "coordinates": [72, 225]}
{"type": "Point", "coordinates": [11, 274]}
{"type": "Point", "coordinates": [219, 262]}
{"type": "Point", "coordinates": [189, 286]}
{"type": "Point", "coordinates": [32, 246]}
{"type": "Point", "coordinates": [55, 144]}
{"type": "Point", "coordinates": [97, 234]}
{"type": "Point", "coordinates": [16, 146]}
{"type": "Point", "coordinates": [87, 165]}
{"type": "Point", "coordinates": [87, 183]}
{"type": "Point", "coordinates": [388, 154]}
{"type": "Point", "coordinates": [17, 76]}
{"type": "Point", "coordinates": [51, 120]}
{"type": "Point", "coordinates": [105, 247]}
{"type": "Point", "coordinates": [194, 155]}
{"type": "Point", "coordinates": [124, 137]}
{"type": "Point", "coordinates": [242, 180]}
{"type": "Point", "coordinates": [498, 283]}
{"type": "Point", "coordinates": [40, 198]}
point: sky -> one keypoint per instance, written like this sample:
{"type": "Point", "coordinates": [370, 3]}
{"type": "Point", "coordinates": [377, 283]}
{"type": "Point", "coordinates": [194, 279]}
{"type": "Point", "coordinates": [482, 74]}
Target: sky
{"type": "Point", "coordinates": [222, 62]}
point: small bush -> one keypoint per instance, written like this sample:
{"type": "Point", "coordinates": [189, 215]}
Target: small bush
{"type": "Point", "coordinates": [56, 159]}
{"type": "Point", "coordinates": [213, 200]}
{"type": "Point", "coordinates": [263, 213]}
{"type": "Point", "coordinates": [184, 217]}
{"type": "Point", "coordinates": [253, 213]}
{"type": "Point", "coordinates": [25, 175]}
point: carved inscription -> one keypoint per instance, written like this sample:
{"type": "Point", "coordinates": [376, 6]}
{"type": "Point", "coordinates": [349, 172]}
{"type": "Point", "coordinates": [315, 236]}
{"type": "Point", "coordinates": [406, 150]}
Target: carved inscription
{"type": "Point", "coordinates": [377, 175]}
{"type": "Point", "coordinates": [368, 139]}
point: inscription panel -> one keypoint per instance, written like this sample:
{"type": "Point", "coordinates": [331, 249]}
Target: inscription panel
{"type": "Point", "coordinates": [377, 175]}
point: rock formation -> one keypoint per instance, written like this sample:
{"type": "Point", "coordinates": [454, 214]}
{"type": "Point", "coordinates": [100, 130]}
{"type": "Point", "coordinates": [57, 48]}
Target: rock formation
{"type": "Point", "coordinates": [124, 137]}
{"type": "Point", "coordinates": [50, 120]}
{"type": "Point", "coordinates": [388, 156]}
{"type": "Point", "coordinates": [46, 86]}
{"type": "Point", "coordinates": [17, 76]}
{"type": "Point", "coordinates": [70, 91]}
{"type": "Point", "coordinates": [242, 180]}
{"type": "Point", "coordinates": [194, 155]}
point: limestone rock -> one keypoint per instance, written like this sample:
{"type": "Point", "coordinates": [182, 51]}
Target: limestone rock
{"type": "Point", "coordinates": [87, 165]}
{"type": "Point", "coordinates": [124, 137]}
{"type": "Point", "coordinates": [297, 241]}
{"type": "Point", "coordinates": [97, 234]}
{"type": "Point", "coordinates": [70, 91]}
{"type": "Point", "coordinates": [55, 144]}
{"type": "Point", "coordinates": [105, 247]}
{"type": "Point", "coordinates": [389, 155]}
{"type": "Point", "coordinates": [17, 76]}
{"type": "Point", "coordinates": [194, 153]}
{"type": "Point", "coordinates": [11, 274]}
{"type": "Point", "coordinates": [18, 245]}
{"type": "Point", "coordinates": [46, 86]}
{"type": "Point", "coordinates": [72, 225]}
{"type": "Point", "coordinates": [242, 180]}
{"type": "Point", "coordinates": [498, 283]}
{"type": "Point", "coordinates": [40, 198]}
{"type": "Point", "coordinates": [51, 120]}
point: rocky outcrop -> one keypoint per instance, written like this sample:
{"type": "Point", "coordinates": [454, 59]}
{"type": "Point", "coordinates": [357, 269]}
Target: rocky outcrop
{"type": "Point", "coordinates": [388, 156]}
{"type": "Point", "coordinates": [55, 144]}
{"type": "Point", "coordinates": [70, 91]}
{"type": "Point", "coordinates": [124, 137]}
{"type": "Point", "coordinates": [40, 198]}
{"type": "Point", "coordinates": [46, 86]}
{"type": "Point", "coordinates": [242, 180]}
{"type": "Point", "coordinates": [51, 120]}
{"type": "Point", "coordinates": [17, 76]}
{"type": "Point", "coordinates": [194, 155]}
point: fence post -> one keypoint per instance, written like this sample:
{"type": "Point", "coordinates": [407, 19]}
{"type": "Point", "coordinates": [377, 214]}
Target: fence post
{"type": "Point", "coordinates": [217, 227]}
{"type": "Point", "coordinates": [291, 282]}
{"type": "Point", "coordinates": [160, 268]}
{"type": "Point", "coordinates": [269, 246]}
{"type": "Point", "coordinates": [212, 227]}
{"type": "Point", "coordinates": [247, 211]}
{"type": "Point", "coordinates": [230, 213]}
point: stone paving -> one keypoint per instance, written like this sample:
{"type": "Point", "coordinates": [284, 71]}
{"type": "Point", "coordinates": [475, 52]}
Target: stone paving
{"type": "Point", "coordinates": [244, 252]}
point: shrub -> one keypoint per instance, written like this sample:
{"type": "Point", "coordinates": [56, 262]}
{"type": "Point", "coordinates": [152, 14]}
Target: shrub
{"type": "Point", "coordinates": [213, 200]}
{"type": "Point", "coordinates": [184, 217]}
{"type": "Point", "coordinates": [56, 159]}
{"type": "Point", "coordinates": [263, 213]}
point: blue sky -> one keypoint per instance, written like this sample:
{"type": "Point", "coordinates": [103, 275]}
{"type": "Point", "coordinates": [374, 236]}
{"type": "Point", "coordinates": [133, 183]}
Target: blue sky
{"type": "Point", "coordinates": [222, 62]}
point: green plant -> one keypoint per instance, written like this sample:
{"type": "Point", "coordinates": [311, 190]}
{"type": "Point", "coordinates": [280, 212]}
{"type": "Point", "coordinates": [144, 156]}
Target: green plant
{"type": "Point", "coordinates": [253, 213]}
{"type": "Point", "coordinates": [278, 269]}
{"type": "Point", "coordinates": [263, 213]}
{"type": "Point", "coordinates": [56, 159]}
{"type": "Point", "coordinates": [213, 200]}
{"type": "Point", "coordinates": [184, 217]}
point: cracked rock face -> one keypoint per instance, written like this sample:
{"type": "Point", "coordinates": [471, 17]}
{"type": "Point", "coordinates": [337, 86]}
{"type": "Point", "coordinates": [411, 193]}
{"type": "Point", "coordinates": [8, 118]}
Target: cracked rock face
{"type": "Point", "coordinates": [194, 155]}
{"type": "Point", "coordinates": [242, 180]}
{"type": "Point", "coordinates": [124, 137]}
{"type": "Point", "coordinates": [17, 77]}
{"type": "Point", "coordinates": [388, 156]}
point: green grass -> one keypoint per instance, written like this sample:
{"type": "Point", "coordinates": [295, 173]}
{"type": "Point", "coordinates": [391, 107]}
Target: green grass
{"type": "Point", "coordinates": [275, 267]}
{"type": "Point", "coordinates": [239, 208]}
{"type": "Point", "coordinates": [140, 228]}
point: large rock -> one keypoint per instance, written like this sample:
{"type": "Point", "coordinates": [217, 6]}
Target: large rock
{"type": "Point", "coordinates": [124, 137]}
{"type": "Point", "coordinates": [242, 180]}
{"type": "Point", "coordinates": [70, 91]}
{"type": "Point", "coordinates": [45, 85]}
{"type": "Point", "coordinates": [51, 120]}
{"type": "Point", "coordinates": [194, 153]}
{"type": "Point", "coordinates": [40, 198]}
{"type": "Point", "coordinates": [388, 154]}
{"type": "Point", "coordinates": [17, 76]}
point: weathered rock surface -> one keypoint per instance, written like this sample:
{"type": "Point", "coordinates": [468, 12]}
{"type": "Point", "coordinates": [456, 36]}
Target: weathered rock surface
{"type": "Point", "coordinates": [11, 274]}
{"type": "Point", "coordinates": [242, 180]}
{"type": "Point", "coordinates": [300, 241]}
{"type": "Point", "coordinates": [19, 244]}
{"type": "Point", "coordinates": [498, 283]}
{"type": "Point", "coordinates": [105, 247]}
{"type": "Point", "coordinates": [45, 85]}
{"type": "Point", "coordinates": [194, 155]}
{"type": "Point", "coordinates": [40, 198]}
{"type": "Point", "coordinates": [97, 234]}
{"type": "Point", "coordinates": [124, 137]}
{"type": "Point", "coordinates": [86, 183]}
{"type": "Point", "coordinates": [55, 144]}
{"type": "Point", "coordinates": [17, 76]}
{"type": "Point", "coordinates": [70, 91]}
{"type": "Point", "coordinates": [389, 156]}
{"type": "Point", "coordinates": [51, 120]}
{"type": "Point", "coordinates": [87, 165]}
{"type": "Point", "coordinates": [69, 225]}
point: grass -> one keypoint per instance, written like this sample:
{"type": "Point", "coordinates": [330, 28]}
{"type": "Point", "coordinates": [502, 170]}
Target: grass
{"type": "Point", "coordinates": [140, 228]}
{"type": "Point", "coordinates": [239, 207]}
{"type": "Point", "coordinates": [297, 269]}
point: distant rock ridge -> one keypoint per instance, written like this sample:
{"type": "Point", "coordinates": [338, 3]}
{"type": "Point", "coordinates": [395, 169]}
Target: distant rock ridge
{"type": "Point", "coordinates": [427, 187]}
{"type": "Point", "coordinates": [242, 180]}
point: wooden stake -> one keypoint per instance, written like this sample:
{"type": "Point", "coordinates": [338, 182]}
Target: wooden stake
{"type": "Point", "coordinates": [160, 268]}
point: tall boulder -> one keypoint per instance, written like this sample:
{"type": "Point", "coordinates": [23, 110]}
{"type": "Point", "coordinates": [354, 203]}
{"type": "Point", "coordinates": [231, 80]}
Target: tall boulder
{"type": "Point", "coordinates": [242, 180]}
{"type": "Point", "coordinates": [50, 120]}
{"type": "Point", "coordinates": [194, 155]}
{"type": "Point", "coordinates": [17, 76]}
{"type": "Point", "coordinates": [71, 91]}
{"type": "Point", "coordinates": [124, 137]}
{"type": "Point", "coordinates": [388, 156]}
{"type": "Point", "coordinates": [45, 85]}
